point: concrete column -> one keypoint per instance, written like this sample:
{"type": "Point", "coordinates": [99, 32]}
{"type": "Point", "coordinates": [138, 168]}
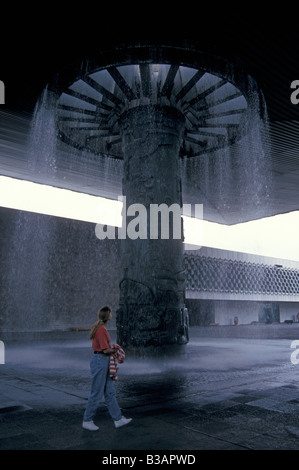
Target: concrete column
{"type": "Point", "coordinates": [151, 311]}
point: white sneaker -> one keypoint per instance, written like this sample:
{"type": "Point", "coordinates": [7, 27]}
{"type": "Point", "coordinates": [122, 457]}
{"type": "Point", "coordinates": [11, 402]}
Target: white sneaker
{"type": "Point", "coordinates": [122, 422]}
{"type": "Point", "coordinates": [89, 425]}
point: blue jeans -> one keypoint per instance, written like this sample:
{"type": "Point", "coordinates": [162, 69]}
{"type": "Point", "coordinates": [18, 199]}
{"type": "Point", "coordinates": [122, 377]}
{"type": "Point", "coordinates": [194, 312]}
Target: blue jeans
{"type": "Point", "coordinates": [102, 386]}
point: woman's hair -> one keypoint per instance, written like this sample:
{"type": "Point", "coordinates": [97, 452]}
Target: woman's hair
{"type": "Point", "coordinates": [103, 317]}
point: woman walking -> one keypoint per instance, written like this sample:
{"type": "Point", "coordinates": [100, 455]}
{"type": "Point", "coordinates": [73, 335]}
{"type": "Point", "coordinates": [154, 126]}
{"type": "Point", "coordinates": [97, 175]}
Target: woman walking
{"type": "Point", "coordinates": [102, 384]}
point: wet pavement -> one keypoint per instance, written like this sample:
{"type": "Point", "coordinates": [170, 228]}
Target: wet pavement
{"type": "Point", "coordinates": [223, 393]}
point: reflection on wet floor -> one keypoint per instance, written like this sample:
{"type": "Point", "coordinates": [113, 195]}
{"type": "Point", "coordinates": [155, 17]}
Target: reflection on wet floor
{"type": "Point", "coordinates": [227, 393]}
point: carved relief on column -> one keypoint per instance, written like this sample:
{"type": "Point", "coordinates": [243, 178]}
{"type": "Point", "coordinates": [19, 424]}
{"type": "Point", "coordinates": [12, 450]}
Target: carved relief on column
{"type": "Point", "coordinates": [152, 286]}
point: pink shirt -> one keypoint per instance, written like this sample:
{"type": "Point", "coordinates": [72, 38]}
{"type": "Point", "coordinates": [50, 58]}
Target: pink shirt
{"type": "Point", "coordinates": [101, 339]}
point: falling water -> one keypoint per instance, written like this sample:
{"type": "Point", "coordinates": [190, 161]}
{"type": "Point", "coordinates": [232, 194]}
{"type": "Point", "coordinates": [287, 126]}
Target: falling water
{"type": "Point", "coordinates": [253, 171]}
{"type": "Point", "coordinates": [42, 145]}
{"type": "Point", "coordinates": [30, 243]}
{"type": "Point", "coordinates": [234, 182]}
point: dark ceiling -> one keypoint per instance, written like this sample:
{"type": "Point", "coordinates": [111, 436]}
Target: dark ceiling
{"type": "Point", "coordinates": [263, 43]}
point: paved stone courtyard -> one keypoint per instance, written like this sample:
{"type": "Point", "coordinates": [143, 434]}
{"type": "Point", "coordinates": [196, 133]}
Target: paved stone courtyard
{"type": "Point", "coordinates": [221, 394]}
